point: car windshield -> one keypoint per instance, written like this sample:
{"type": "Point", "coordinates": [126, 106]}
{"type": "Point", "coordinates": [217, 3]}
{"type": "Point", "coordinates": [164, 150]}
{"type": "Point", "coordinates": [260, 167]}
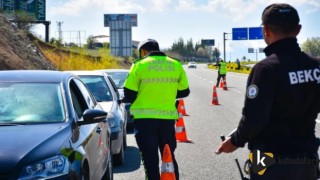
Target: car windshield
{"type": "Point", "coordinates": [98, 87]}
{"type": "Point", "coordinates": [31, 103]}
{"type": "Point", "coordinates": [191, 63]}
{"type": "Point", "coordinates": [118, 78]}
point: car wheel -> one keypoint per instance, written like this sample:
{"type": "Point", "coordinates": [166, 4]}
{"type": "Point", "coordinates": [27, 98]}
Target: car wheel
{"type": "Point", "coordinates": [85, 173]}
{"type": "Point", "coordinates": [125, 138]}
{"type": "Point", "coordinates": [118, 159]}
{"type": "Point", "coordinates": [109, 172]}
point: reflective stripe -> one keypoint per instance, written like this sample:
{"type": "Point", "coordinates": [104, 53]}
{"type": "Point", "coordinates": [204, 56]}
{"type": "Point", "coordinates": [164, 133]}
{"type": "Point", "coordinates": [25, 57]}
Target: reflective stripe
{"type": "Point", "coordinates": [167, 167]}
{"type": "Point", "coordinates": [179, 129]}
{"type": "Point", "coordinates": [154, 112]}
{"type": "Point", "coordinates": [159, 80]}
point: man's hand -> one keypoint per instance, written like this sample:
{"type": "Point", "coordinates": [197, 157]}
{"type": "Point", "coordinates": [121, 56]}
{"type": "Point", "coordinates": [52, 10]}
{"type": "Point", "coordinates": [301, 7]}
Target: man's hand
{"type": "Point", "coordinates": [226, 147]}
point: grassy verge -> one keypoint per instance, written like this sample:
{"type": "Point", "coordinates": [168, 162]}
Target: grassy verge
{"type": "Point", "coordinates": [80, 58]}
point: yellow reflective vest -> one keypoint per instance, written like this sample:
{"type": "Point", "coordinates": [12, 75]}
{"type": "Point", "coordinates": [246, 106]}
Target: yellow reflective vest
{"type": "Point", "coordinates": [156, 78]}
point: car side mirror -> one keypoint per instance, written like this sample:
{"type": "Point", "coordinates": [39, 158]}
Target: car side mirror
{"type": "Point", "coordinates": [91, 116]}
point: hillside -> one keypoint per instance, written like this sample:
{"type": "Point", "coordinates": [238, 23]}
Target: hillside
{"type": "Point", "coordinates": [17, 51]}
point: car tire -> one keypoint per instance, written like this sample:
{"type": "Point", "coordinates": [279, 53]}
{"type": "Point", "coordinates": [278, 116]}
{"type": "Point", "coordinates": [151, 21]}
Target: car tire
{"type": "Point", "coordinates": [85, 173]}
{"type": "Point", "coordinates": [108, 175]}
{"type": "Point", "coordinates": [124, 138]}
{"type": "Point", "coordinates": [118, 159]}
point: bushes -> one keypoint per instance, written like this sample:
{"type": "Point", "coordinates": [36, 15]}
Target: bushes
{"type": "Point", "coordinates": [233, 67]}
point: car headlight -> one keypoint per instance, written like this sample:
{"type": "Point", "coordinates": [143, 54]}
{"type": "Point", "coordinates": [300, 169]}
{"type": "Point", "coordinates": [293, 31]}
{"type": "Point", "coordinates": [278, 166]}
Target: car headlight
{"type": "Point", "coordinates": [112, 120]}
{"type": "Point", "coordinates": [49, 168]}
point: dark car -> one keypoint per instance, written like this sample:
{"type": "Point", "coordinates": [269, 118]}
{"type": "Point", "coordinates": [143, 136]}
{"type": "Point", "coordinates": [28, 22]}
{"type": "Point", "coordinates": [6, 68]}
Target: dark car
{"type": "Point", "coordinates": [51, 127]}
{"type": "Point", "coordinates": [119, 76]}
{"type": "Point", "coordinates": [105, 92]}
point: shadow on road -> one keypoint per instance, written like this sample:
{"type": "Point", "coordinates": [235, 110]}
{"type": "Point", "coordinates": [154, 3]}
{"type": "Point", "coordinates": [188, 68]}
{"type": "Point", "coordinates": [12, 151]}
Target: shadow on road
{"type": "Point", "coordinates": [132, 161]}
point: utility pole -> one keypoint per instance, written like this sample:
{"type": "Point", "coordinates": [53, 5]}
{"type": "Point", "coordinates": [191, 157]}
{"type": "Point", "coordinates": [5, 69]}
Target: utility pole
{"type": "Point", "coordinates": [224, 45]}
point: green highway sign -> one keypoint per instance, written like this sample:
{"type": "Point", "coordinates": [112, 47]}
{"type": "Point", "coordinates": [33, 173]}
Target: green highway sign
{"type": "Point", "coordinates": [37, 8]}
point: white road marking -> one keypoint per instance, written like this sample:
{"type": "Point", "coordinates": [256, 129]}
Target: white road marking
{"type": "Point", "coordinates": [211, 82]}
{"type": "Point", "coordinates": [236, 91]}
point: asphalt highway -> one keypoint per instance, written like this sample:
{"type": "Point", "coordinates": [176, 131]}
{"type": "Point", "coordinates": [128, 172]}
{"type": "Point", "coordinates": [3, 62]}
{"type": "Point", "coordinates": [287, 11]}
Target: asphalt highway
{"type": "Point", "coordinates": [204, 125]}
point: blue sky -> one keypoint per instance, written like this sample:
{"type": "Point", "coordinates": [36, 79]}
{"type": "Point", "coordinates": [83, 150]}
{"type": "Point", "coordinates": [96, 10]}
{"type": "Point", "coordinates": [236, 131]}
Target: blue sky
{"type": "Point", "coordinates": [167, 20]}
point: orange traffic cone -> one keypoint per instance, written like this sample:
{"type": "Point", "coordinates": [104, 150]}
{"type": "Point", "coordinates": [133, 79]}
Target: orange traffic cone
{"type": "Point", "coordinates": [225, 84]}
{"type": "Point", "coordinates": [182, 108]}
{"type": "Point", "coordinates": [214, 97]}
{"type": "Point", "coordinates": [167, 167]}
{"type": "Point", "coordinates": [221, 83]}
{"type": "Point", "coordinates": [181, 134]}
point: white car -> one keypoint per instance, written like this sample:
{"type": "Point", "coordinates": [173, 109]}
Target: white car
{"type": "Point", "coordinates": [192, 65]}
{"type": "Point", "coordinates": [105, 92]}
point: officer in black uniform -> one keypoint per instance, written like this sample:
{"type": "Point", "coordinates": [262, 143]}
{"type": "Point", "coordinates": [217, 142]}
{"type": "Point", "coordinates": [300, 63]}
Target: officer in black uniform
{"type": "Point", "coordinates": [282, 102]}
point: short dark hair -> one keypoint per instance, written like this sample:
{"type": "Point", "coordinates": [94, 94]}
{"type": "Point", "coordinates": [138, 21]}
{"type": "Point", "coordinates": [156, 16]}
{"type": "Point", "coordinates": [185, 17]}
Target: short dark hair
{"type": "Point", "coordinates": [280, 18]}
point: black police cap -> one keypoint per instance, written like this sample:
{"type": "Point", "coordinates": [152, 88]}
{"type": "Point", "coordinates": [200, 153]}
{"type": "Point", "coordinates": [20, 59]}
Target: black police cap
{"type": "Point", "coordinates": [280, 14]}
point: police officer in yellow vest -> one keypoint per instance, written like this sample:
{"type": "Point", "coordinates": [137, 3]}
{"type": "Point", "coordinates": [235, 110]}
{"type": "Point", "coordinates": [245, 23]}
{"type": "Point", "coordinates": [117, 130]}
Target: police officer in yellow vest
{"type": "Point", "coordinates": [153, 84]}
{"type": "Point", "coordinates": [222, 71]}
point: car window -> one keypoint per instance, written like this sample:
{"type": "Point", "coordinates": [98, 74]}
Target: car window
{"type": "Point", "coordinates": [98, 87]}
{"type": "Point", "coordinates": [118, 78]}
{"type": "Point", "coordinates": [31, 102]}
{"type": "Point", "coordinates": [81, 98]}
{"type": "Point", "coordinates": [114, 87]}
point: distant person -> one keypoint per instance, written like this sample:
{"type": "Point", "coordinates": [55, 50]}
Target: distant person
{"type": "Point", "coordinates": [282, 102]}
{"type": "Point", "coordinates": [153, 84]}
{"type": "Point", "coordinates": [222, 71]}
{"type": "Point", "coordinates": [238, 63]}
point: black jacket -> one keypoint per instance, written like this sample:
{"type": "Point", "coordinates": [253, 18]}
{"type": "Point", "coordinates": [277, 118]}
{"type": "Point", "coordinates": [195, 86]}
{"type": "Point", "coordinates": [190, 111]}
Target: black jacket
{"type": "Point", "coordinates": [282, 102]}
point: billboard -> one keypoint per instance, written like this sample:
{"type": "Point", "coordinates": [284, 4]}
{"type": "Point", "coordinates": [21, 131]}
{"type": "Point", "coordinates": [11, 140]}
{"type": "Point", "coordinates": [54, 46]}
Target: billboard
{"type": "Point", "coordinates": [207, 42]}
{"type": "Point", "coordinates": [120, 17]}
{"type": "Point", "coordinates": [36, 8]}
{"type": "Point", "coordinates": [121, 38]}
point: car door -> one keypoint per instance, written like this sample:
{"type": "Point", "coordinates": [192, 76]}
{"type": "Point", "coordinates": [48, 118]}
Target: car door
{"type": "Point", "coordinates": [95, 135]}
{"type": "Point", "coordinates": [116, 95]}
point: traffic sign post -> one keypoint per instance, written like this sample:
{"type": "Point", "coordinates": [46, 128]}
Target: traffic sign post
{"type": "Point", "coordinates": [224, 45]}
{"type": "Point", "coordinates": [239, 33]}
{"type": "Point", "coordinates": [252, 50]}
{"type": "Point", "coordinates": [251, 33]}
{"type": "Point", "coordinates": [255, 33]}
{"type": "Point", "coordinates": [207, 42]}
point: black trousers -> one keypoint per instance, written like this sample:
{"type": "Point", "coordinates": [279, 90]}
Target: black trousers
{"type": "Point", "coordinates": [151, 136]}
{"type": "Point", "coordinates": [289, 168]}
{"type": "Point", "coordinates": [219, 78]}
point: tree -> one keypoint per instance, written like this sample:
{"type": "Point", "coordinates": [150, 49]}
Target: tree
{"type": "Point", "coordinates": [23, 20]}
{"type": "Point", "coordinates": [56, 42]}
{"type": "Point", "coordinates": [179, 46]}
{"type": "Point", "coordinates": [244, 58]}
{"type": "Point", "coordinates": [190, 48]}
{"type": "Point", "coordinates": [312, 46]}
{"type": "Point", "coordinates": [216, 54]}
{"type": "Point", "coordinates": [90, 42]}
{"type": "Point", "coordinates": [201, 52]}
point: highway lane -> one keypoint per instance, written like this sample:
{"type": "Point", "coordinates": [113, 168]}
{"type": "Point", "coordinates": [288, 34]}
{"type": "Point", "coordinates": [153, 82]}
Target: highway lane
{"type": "Point", "coordinates": [204, 125]}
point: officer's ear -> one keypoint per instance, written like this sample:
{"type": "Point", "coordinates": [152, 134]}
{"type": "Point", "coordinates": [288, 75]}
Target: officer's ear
{"type": "Point", "coordinates": [142, 53]}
